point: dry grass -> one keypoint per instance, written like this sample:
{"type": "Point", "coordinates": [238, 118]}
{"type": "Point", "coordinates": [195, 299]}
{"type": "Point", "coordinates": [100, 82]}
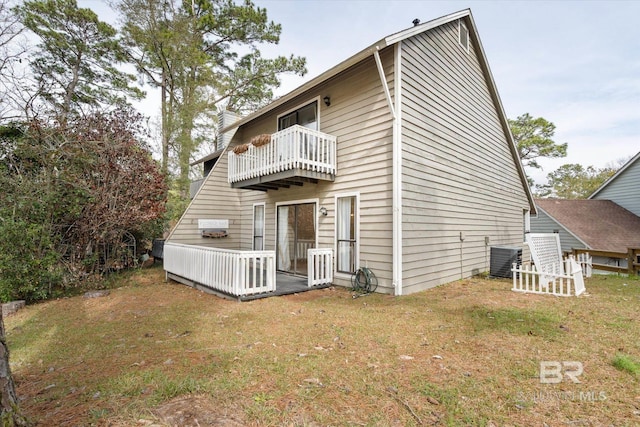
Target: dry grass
{"type": "Point", "coordinates": [467, 353]}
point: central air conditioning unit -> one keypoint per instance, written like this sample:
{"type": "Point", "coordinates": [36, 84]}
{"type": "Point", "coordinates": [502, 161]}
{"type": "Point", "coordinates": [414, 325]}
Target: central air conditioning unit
{"type": "Point", "coordinates": [502, 259]}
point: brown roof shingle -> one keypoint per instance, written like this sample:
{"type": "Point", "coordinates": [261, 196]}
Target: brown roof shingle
{"type": "Point", "coordinates": [601, 224]}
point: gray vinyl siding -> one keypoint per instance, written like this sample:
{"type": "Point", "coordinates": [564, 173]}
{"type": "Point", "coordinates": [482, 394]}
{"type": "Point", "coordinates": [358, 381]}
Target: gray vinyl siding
{"type": "Point", "coordinates": [360, 119]}
{"type": "Point", "coordinates": [459, 174]}
{"type": "Point", "coordinates": [543, 223]}
{"type": "Point", "coordinates": [624, 189]}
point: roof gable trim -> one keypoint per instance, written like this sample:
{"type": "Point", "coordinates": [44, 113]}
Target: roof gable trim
{"type": "Point", "coordinates": [620, 171]}
{"type": "Point", "coordinates": [351, 61]}
{"type": "Point", "coordinates": [421, 28]}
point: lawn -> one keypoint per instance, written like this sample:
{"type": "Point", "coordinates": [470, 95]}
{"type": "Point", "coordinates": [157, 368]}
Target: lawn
{"type": "Point", "coordinates": [467, 353]}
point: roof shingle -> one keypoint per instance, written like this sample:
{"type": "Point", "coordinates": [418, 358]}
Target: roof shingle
{"type": "Point", "coordinates": [601, 224]}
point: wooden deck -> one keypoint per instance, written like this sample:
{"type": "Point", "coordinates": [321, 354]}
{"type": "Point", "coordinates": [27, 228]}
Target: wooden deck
{"type": "Point", "coordinates": [286, 284]}
{"type": "Point", "coordinates": [242, 275]}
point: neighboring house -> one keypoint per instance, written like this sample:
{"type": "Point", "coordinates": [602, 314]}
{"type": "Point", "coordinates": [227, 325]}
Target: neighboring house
{"type": "Point", "coordinates": [609, 221]}
{"type": "Point", "coordinates": [398, 159]}
{"type": "Point", "coordinates": [598, 225]}
{"type": "Point", "coordinates": [623, 188]}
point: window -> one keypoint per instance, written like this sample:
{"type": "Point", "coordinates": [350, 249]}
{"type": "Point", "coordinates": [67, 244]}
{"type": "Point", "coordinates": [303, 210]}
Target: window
{"type": "Point", "coordinates": [526, 222]}
{"type": "Point", "coordinates": [258, 227]}
{"type": "Point", "coordinates": [346, 233]}
{"type": "Point", "coordinates": [304, 116]}
{"type": "Point", "coordinates": [463, 35]}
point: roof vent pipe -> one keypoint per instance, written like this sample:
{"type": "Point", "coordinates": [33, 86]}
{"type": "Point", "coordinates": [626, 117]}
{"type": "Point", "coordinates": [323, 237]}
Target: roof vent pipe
{"type": "Point", "coordinates": [415, 22]}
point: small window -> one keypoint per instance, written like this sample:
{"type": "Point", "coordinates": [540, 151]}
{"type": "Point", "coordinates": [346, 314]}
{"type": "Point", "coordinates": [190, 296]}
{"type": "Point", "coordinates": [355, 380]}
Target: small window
{"type": "Point", "coordinates": [258, 227]}
{"type": "Point", "coordinates": [526, 222]}
{"type": "Point", "coordinates": [463, 35]}
{"type": "Point", "coordinates": [346, 234]}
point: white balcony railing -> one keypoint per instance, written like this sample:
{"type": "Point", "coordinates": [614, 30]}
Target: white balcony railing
{"type": "Point", "coordinates": [293, 148]}
{"type": "Point", "coordinates": [237, 273]}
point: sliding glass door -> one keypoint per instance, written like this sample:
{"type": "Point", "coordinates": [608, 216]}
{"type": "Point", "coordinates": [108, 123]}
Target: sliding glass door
{"type": "Point", "coordinates": [296, 233]}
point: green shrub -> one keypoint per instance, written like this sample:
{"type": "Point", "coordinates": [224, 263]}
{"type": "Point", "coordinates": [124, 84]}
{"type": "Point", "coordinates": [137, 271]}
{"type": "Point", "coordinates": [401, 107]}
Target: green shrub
{"type": "Point", "coordinates": [29, 267]}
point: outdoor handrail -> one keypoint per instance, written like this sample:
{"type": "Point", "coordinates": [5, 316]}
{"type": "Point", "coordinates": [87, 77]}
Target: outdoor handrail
{"type": "Point", "coordinates": [319, 266]}
{"type": "Point", "coordinates": [631, 258]}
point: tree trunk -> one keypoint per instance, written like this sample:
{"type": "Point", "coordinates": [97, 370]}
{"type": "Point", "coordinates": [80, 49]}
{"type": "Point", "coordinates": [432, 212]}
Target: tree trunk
{"type": "Point", "coordinates": [186, 149]}
{"type": "Point", "coordinates": [188, 111]}
{"type": "Point", "coordinates": [9, 413]}
{"type": "Point", "coordinates": [164, 117]}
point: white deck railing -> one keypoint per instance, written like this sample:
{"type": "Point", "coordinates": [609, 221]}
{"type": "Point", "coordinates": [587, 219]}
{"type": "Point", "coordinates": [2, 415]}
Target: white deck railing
{"type": "Point", "coordinates": [319, 266]}
{"type": "Point", "coordinates": [549, 274]}
{"type": "Point", "coordinates": [527, 279]}
{"type": "Point", "coordinates": [586, 263]}
{"type": "Point", "coordinates": [293, 148]}
{"type": "Point", "coordinates": [237, 273]}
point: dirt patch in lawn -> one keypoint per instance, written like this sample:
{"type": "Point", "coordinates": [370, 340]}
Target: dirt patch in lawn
{"type": "Point", "coordinates": [198, 411]}
{"type": "Point", "coordinates": [163, 354]}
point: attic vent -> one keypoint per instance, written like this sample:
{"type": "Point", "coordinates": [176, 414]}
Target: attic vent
{"type": "Point", "coordinates": [463, 35]}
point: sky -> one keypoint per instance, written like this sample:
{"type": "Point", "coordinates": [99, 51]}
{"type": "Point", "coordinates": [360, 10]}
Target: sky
{"type": "Point", "coordinates": [575, 63]}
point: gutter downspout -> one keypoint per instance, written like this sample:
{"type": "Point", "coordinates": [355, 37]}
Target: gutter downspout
{"type": "Point", "coordinates": [397, 163]}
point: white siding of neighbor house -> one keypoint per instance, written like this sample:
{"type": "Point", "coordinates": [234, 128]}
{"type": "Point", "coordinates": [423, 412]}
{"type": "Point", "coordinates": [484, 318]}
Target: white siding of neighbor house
{"type": "Point", "coordinates": [624, 189]}
{"type": "Point", "coordinates": [543, 223]}
{"type": "Point", "coordinates": [359, 117]}
{"type": "Point", "coordinates": [459, 174]}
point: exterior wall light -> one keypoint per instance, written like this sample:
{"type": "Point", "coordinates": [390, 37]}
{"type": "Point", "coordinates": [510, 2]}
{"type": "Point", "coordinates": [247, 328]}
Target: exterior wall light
{"type": "Point", "coordinates": [327, 100]}
{"type": "Point", "coordinates": [323, 211]}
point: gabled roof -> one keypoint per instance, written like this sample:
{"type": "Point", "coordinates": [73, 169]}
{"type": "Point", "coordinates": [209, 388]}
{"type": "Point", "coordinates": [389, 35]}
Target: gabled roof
{"type": "Point", "coordinates": [353, 60]}
{"type": "Point", "coordinates": [614, 177]}
{"type": "Point", "coordinates": [601, 224]}
{"type": "Point", "coordinates": [392, 40]}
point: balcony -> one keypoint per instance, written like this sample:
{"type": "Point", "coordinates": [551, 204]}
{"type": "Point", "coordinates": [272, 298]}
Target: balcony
{"type": "Point", "coordinates": [292, 156]}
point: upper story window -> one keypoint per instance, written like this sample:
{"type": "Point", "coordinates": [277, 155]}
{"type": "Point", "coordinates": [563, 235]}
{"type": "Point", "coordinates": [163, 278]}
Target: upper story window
{"type": "Point", "coordinates": [306, 116]}
{"type": "Point", "coordinates": [463, 35]}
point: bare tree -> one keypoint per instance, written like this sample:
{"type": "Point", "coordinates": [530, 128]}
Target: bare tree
{"type": "Point", "coordinates": [13, 84]}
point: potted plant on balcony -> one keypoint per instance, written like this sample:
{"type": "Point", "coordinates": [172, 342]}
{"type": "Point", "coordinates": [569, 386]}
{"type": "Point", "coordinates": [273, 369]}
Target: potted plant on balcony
{"type": "Point", "coordinates": [260, 140]}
